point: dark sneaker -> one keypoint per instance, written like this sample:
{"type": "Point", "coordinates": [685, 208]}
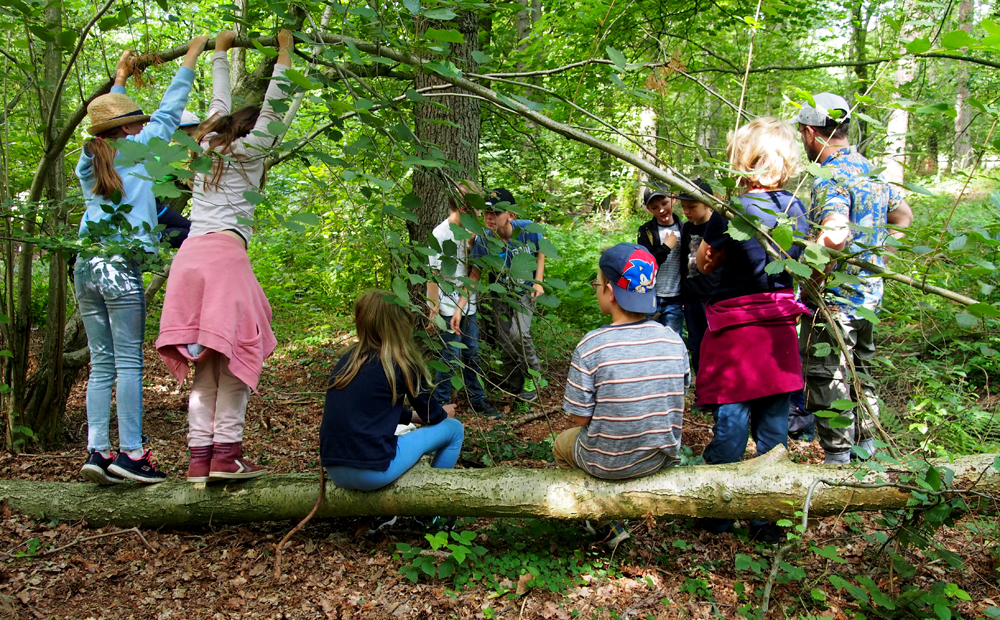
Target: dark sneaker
{"type": "Point", "coordinates": [383, 524]}
{"type": "Point", "coordinates": [767, 533]}
{"type": "Point", "coordinates": [612, 534]}
{"type": "Point", "coordinates": [140, 470]}
{"type": "Point", "coordinates": [485, 409]}
{"type": "Point", "coordinates": [96, 469]}
{"type": "Point", "coordinates": [440, 524]}
{"type": "Point", "coordinates": [528, 390]}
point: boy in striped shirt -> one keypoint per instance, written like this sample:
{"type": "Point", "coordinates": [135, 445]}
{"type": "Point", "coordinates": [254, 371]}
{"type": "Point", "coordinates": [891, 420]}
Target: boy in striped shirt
{"type": "Point", "coordinates": [626, 382]}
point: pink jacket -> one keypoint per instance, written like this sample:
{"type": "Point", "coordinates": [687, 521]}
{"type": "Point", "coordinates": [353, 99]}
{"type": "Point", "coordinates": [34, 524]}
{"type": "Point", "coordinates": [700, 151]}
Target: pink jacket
{"type": "Point", "coordinates": [751, 349]}
{"type": "Point", "coordinates": [214, 299]}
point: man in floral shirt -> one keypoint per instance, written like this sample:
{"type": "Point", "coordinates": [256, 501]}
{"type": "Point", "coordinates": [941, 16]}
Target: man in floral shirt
{"type": "Point", "coordinates": [851, 208]}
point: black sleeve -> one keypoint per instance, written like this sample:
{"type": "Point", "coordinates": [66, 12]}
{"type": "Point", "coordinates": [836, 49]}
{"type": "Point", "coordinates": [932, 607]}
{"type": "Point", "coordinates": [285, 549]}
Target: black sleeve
{"type": "Point", "coordinates": [660, 251]}
{"type": "Point", "coordinates": [427, 408]}
{"type": "Point", "coordinates": [716, 234]}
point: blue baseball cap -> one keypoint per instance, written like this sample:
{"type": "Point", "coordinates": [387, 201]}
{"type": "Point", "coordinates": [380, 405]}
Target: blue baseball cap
{"type": "Point", "coordinates": [631, 269]}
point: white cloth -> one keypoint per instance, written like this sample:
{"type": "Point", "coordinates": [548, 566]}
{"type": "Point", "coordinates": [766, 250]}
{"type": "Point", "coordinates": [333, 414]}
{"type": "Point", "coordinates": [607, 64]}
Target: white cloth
{"type": "Point", "coordinates": [448, 302]}
{"type": "Point", "coordinates": [223, 207]}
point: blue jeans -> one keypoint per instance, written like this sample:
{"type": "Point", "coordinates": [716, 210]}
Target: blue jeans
{"type": "Point", "coordinates": [443, 439]}
{"type": "Point", "coordinates": [697, 324]}
{"type": "Point", "coordinates": [670, 315]}
{"type": "Point", "coordinates": [112, 304]}
{"type": "Point", "coordinates": [765, 419]}
{"type": "Point", "coordinates": [470, 363]}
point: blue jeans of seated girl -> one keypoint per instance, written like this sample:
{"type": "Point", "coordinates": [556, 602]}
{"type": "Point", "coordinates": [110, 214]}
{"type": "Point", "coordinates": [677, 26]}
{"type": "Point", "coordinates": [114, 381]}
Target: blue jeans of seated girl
{"type": "Point", "coordinates": [112, 303]}
{"type": "Point", "coordinates": [443, 439]}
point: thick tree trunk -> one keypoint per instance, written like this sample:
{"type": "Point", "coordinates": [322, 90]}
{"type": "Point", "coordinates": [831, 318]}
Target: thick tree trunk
{"type": "Point", "coordinates": [899, 119]}
{"type": "Point", "coordinates": [647, 137]}
{"type": "Point", "coordinates": [963, 140]}
{"type": "Point", "coordinates": [769, 487]}
{"type": "Point", "coordinates": [859, 53]}
{"type": "Point", "coordinates": [453, 131]}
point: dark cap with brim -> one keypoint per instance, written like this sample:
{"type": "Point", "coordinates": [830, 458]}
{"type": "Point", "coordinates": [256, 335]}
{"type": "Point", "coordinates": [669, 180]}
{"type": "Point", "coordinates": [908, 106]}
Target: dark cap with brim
{"type": "Point", "coordinates": [701, 184]}
{"type": "Point", "coordinates": [499, 200]}
{"type": "Point", "coordinates": [631, 269]}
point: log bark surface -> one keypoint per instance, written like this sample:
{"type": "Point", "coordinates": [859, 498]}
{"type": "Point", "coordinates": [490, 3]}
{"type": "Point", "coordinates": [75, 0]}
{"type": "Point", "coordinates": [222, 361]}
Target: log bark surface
{"type": "Point", "coordinates": [769, 487]}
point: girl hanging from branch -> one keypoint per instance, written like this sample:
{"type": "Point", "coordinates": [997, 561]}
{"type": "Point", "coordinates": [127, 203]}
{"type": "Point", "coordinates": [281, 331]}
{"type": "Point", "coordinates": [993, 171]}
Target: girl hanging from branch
{"type": "Point", "coordinates": [215, 313]}
{"type": "Point", "coordinates": [119, 221]}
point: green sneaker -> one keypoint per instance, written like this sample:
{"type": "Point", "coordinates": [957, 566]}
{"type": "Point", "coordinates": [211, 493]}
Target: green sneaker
{"type": "Point", "coordinates": [528, 390]}
{"type": "Point", "coordinates": [521, 407]}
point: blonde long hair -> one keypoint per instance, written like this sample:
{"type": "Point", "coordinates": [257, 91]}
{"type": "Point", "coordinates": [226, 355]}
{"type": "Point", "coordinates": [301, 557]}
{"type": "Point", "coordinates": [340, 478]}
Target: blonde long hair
{"type": "Point", "coordinates": [385, 330]}
{"type": "Point", "coordinates": [107, 181]}
{"type": "Point", "coordinates": [767, 153]}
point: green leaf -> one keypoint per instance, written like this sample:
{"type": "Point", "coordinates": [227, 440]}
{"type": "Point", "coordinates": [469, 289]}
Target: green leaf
{"type": "Point", "coordinates": [817, 595]}
{"type": "Point", "coordinates": [446, 569]}
{"type": "Point", "coordinates": [743, 561]}
{"type": "Point", "coordinates": [981, 309]}
{"type": "Point", "coordinates": [942, 611]}
{"type": "Point", "coordinates": [966, 320]}
{"type": "Point", "coordinates": [400, 290]}
{"type": "Point", "coordinates": [481, 58]}
{"type": "Point", "coordinates": [867, 313]}
{"type": "Point", "coordinates": [841, 422]}
{"type": "Point", "coordinates": [819, 171]}
{"type": "Point", "coordinates": [253, 197]}
{"type": "Point", "coordinates": [829, 552]}
{"type": "Point", "coordinates": [267, 51]}
{"type": "Point", "coordinates": [843, 404]}
{"type": "Point", "coordinates": [956, 39]}
{"type": "Point", "coordinates": [918, 46]}
{"type": "Point", "coordinates": [406, 215]}
{"type": "Point", "coordinates": [933, 478]}
{"type": "Point", "coordinates": [782, 235]}
{"type": "Point", "coordinates": [440, 14]}
{"type": "Point", "coordinates": [447, 35]}
{"type": "Point", "coordinates": [413, 6]}
{"type": "Point", "coordinates": [299, 79]}
{"type": "Point", "coordinates": [616, 57]}
{"type": "Point", "coordinates": [309, 219]}
{"type": "Point", "coordinates": [917, 189]}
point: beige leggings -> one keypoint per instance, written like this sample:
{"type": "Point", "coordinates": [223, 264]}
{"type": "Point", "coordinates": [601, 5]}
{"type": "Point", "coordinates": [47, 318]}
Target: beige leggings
{"type": "Point", "coordinates": [218, 405]}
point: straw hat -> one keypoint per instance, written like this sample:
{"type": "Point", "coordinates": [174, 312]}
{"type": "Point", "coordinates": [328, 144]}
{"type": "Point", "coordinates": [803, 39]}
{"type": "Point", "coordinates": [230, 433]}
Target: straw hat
{"type": "Point", "coordinates": [113, 110]}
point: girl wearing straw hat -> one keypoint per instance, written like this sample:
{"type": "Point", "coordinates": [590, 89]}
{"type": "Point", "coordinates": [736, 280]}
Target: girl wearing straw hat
{"type": "Point", "coordinates": [215, 313]}
{"type": "Point", "coordinates": [119, 221]}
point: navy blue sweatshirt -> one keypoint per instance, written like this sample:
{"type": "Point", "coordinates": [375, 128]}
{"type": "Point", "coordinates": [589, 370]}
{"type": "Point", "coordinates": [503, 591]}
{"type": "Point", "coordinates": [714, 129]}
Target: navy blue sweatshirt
{"type": "Point", "coordinates": [359, 421]}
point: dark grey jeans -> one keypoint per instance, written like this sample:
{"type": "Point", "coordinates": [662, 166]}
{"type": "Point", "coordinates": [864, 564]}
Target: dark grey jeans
{"type": "Point", "coordinates": [512, 322]}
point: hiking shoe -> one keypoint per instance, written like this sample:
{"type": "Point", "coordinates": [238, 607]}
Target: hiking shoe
{"type": "Point", "coordinates": [528, 390]}
{"type": "Point", "coordinates": [200, 464]}
{"type": "Point", "coordinates": [767, 533]}
{"type": "Point", "coordinates": [228, 463]}
{"type": "Point", "coordinates": [485, 409]}
{"type": "Point", "coordinates": [521, 407]}
{"type": "Point", "coordinates": [140, 470]}
{"type": "Point", "coordinates": [96, 469]}
{"type": "Point", "coordinates": [612, 534]}
{"type": "Point", "coordinates": [387, 523]}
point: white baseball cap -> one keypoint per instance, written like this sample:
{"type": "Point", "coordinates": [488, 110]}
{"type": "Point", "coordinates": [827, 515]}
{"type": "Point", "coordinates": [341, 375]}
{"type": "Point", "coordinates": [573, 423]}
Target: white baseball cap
{"type": "Point", "coordinates": [817, 117]}
{"type": "Point", "coordinates": [188, 119]}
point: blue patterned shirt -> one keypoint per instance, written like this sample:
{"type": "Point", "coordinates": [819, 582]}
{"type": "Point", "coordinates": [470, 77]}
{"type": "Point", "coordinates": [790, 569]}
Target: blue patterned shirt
{"type": "Point", "coordinates": [865, 201]}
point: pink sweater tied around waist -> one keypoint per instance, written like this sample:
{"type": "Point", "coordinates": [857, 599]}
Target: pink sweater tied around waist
{"type": "Point", "coordinates": [751, 349]}
{"type": "Point", "coordinates": [213, 299]}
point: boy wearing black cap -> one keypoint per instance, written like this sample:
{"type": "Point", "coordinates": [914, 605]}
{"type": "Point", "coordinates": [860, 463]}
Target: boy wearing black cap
{"type": "Point", "coordinates": [661, 236]}
{"type": "Point", "coordinates": [513, 250]}
{"type": "Point", "coordinates": [626, 383]}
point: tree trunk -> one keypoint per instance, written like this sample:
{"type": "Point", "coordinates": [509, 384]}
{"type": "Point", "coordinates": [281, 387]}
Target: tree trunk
{"type": "Point", "coordinates": [769, 487]}
{"type": "Point", "coordinates": [453, 131]}
{"type": "Point", "coordinates": [963, 140]}
{"type": "Point", "coordinates": [859, 53]}
{"type": "Point", "coordinates": [899, 119]}
{"type": "Point", "coordinates": [647, 137]}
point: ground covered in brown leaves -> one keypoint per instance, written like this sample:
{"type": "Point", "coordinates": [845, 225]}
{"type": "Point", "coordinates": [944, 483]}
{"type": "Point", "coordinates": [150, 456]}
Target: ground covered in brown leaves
{"type": "Point", "coordinates": [332, 569]}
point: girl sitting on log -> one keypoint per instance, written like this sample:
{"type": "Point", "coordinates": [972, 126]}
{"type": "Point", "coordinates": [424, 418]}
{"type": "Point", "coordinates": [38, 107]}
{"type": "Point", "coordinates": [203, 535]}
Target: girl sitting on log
{"type": "Point", "coordinates": [215, 313]}
{"type": "Point", "coordinates": [119, 219]}
{"type": "Point", "coordinates": [364, 403]}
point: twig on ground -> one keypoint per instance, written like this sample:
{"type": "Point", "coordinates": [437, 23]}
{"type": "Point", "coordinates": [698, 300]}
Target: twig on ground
{"type": "Point", "coordinates": [538, 415]}
{"type": "Point", "coordinates": [302, 523]}
{"type": "Point", "coordinates": [134, 530]}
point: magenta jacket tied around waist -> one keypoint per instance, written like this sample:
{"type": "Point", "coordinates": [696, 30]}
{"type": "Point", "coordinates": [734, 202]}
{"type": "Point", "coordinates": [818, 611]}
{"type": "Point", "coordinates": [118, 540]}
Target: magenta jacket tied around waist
{"type": "Point", "coordinates": [213, 299]}
{"type": "Point", "coordinates": [751, 348]}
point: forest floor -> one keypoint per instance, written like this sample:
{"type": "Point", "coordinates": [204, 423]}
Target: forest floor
{"type": "Point", "coordinates": [332, 569]}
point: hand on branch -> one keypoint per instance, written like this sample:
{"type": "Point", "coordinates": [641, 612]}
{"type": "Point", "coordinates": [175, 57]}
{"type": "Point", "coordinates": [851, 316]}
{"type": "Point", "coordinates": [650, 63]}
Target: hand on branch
{"type": "Point", "coordinates": [195, 47]}
{"type": "Point", "coordinates": [286, 44]}
{"type": "Point", "coordinates": [224, 40]}
{"type": "Point", "coordinates": [124, 69]}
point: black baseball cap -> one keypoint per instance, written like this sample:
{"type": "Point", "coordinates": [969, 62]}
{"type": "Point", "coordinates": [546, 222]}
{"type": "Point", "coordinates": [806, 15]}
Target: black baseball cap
{"type": "Point", "coordinates": [496, 198]}
{"type": "Point", "coordinates": [701, 184]}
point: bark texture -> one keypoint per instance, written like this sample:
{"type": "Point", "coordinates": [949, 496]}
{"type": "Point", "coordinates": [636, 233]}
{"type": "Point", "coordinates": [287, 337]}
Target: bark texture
{"type": "Point", "coordinates": [769, 487]}
{"type": "Point", "coordinates": [963, 118]}
{"type": "Point", "coordinates": [451, 131]}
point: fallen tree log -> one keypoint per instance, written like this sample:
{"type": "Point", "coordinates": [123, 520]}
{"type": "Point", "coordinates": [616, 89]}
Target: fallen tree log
{"type": "Point", "coordinates": [768, 487]}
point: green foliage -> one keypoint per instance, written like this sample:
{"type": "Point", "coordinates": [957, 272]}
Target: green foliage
{"type": "Point", "coordinates": [536, 554]}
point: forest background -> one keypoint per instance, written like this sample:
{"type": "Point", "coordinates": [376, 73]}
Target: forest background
{"type": "Point", "coordinates": [558, 103]}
